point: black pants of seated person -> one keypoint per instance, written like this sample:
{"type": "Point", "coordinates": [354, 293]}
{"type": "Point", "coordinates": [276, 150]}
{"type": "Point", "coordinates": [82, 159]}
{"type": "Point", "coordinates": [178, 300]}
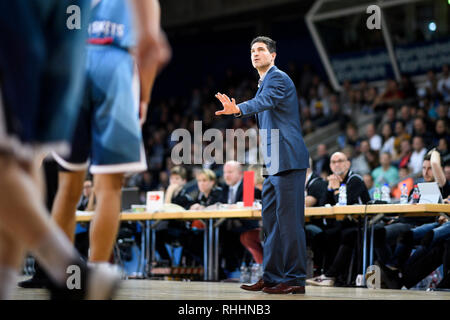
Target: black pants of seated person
{"type": "Point", "coordinates": [348, 260]}
{"type": "Point", "coordinates": [325, 246]}
{"type": "Point", "coordinates": [343, 258]}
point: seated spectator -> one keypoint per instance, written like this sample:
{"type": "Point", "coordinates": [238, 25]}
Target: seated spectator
{"type": "Point", "coordinates": [405, 178]}
{"type": "Point", "coordinates": [322, 163]}
{"type": "Point", "coordinates": [173, 233]}
{"type": "Point", "coordinates": [176, 193]}
{"type": "Point", "coordinates": [402, 158]}
{"type": "Point", "coordinates": [420, 129]}
{"type": "Point", "coordinates": [86, 202]}
{"type": "Point", "coordinates": [408, 87]}
{"type": "Point", "coordinates": [359, 162]}
{"type": "Point", "coordinates": [315, 196]}
{"type": "Point", "coordinates": [406, 117]}
{"type": "Point", "coordinates": [373, 159]}
{"type": "Point", "coordinates": [350, 138]}
{"type": "Point", "coordinates": [231, 230]}
{"type": "Point", "coordinates": [209, 193]}
{"type": "Point", "coordinates": [416, 160]}
{"type": "Point", "coordinates": [408, 231]}
{"type": "Point", "coordinates": [440, 131]}
{"type": "Point", "coordinates": [252, 239]}
{"type": "Point", "coordinates": [443, 86]}
{"type": "Point", "coordinates": [344, 233]}
{"type": "Point", "coordinates": [391, 94]}
{"type": "Point", "coordinates": [400, 135]}
{"type": "Point", "coordinates": [368, 181]}
{"type": "Point", "coordinates": [388, 139]}
{"type": "Point", "coordinates": [431, 85]}
{"type": "Point", "coordinates": [385, 173]}
{"type": "Point", "coordinates": [374, 139]}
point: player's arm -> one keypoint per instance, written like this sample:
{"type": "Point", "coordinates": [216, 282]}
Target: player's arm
{"type": "Point", "coordinates": [152, 48]}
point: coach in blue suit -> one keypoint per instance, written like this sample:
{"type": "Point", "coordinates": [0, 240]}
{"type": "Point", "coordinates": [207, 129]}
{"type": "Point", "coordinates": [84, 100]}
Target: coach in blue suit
{"type": "Point", "coordinates": [286, 158]}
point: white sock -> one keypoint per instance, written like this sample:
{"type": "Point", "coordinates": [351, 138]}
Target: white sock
{"type": "Point", "coordinates": [55, 253]}
{"type": "Point", "coordinates": [8, 282]}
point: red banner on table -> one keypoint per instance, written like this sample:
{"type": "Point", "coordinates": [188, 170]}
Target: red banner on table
{"type": "Point", "coordinates": [249, 188]}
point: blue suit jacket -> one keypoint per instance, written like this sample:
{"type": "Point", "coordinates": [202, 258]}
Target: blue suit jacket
{"type": "Point", "coordinates": [276, 107]}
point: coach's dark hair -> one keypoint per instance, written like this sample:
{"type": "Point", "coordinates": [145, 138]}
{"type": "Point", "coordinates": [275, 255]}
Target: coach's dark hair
{"type": "Point", "coordinates": [271, 44]}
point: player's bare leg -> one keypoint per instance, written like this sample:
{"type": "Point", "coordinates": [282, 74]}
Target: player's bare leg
{"type": "Point", "coordinates": [105, 225]}
{"type": "Point", "coordinates": [24, 215]}
{"type": "Point", "coordinates": [70, 188]}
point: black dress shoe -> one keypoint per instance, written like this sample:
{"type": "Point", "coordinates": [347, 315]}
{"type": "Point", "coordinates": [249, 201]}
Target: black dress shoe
{"type": "Point", "coordinates": [260, 285]}
{"type": "Point", "coordinates": [283, 288]}
{"type": "Point", "coordinates": [35, 282]}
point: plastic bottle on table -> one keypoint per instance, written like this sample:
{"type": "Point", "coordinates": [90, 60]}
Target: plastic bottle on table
{"type": "Point", "coordinates": [404, 194]}
{"type": "Point", "coordinates": [386, 193]}
{"type": "Point", "coordinates": [342, 195]}
{"type": "Point", "coordinates": [377, 193]}
{"type": "Point", "coordinates": [416, 195]}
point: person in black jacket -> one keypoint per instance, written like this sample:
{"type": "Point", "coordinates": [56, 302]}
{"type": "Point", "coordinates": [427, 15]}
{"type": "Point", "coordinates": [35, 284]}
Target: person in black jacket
{"type": "Point", "coordinates": [209, 192]}
{"type": "Point", "coordinates": [343, 232]}
{"type": "Point", "coordinates": [170, 233]}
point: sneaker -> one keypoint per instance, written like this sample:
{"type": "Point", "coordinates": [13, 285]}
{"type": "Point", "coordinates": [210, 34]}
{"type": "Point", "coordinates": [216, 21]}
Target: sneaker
{"type": "Point", "coordinates": [321, 281]}
{"type": "Point", "coordinates": [103, 281]}
{"type": "Point", "coordinates": [97, 282]}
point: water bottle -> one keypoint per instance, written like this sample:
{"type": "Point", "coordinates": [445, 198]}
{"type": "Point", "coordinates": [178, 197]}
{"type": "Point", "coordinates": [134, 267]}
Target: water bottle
{"type": "Point", "coordinates": [404, 194]}
{"type": "Point", "coordinates": [377, 193]}
{"type": "Point", "coordinates": [245, 274]}
{"type": "Point", "coordinates": [255, 273]}
{"type": "Point", "coordinates": [343, 195]}
{"type": "Point", "coordinates": [386, 193]}
{"type": "Point", "coordinates": [416, 195]}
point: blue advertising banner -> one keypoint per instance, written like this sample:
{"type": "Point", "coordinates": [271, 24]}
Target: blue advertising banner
{"type": "Point", "coordinates": [374, 65]}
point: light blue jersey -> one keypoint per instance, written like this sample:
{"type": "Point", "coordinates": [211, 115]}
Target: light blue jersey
{"type": "Point", "coordinates": [111, 24]}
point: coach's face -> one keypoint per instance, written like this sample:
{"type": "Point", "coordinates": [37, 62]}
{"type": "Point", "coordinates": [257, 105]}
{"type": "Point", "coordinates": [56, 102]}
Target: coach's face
{"type": "Point", "coordinates": [260, 55]}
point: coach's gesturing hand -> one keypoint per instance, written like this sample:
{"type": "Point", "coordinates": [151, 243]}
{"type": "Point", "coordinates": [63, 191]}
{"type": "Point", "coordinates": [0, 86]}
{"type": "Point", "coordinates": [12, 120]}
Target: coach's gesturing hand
{"type": "Point", "coordinates": [229, 106]}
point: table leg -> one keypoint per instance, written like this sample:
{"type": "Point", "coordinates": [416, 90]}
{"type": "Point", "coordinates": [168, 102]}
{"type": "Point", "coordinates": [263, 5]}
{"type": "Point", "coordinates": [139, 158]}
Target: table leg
{"type": "Point", "coordinates": [205, 253]}
{"type": "Point", "coordinates": [151, 246]}
{"type": "Point", "coordinates": [210, 249]}
{"type": "Point", "coordinates": [216, 254]}
{"type": "Point", "coordinates": [142, 260]}
{"type": "Point", "coordinates": [364, 251]}
{"type": "Point", "coordinates": [371, 245]}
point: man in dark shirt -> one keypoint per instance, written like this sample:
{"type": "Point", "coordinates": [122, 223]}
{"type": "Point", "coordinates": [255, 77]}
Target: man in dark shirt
{"type": "Point", "coordinates": [343, 232]}
{"type": "Point", "coordinates": [357, 192]}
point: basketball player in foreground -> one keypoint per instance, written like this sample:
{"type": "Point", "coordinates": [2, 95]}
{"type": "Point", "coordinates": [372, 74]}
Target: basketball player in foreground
{"type": "Point", "coordinates": [40, 79]}
{"type": "Point", "coordinates": [108, 134]}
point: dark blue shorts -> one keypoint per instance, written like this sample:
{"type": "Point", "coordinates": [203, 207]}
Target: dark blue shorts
{"type": "Point", "coordinates": [41, 72]}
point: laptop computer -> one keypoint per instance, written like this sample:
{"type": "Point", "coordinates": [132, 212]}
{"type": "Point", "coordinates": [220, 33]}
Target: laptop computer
{"type": "Point", "coordinates": [130, 196]}
{"type": "Point", "coordinates": [429, 192]}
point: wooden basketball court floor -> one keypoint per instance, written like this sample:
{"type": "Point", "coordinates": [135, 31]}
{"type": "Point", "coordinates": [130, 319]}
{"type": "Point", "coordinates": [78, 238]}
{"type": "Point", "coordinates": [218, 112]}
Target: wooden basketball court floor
{"type": "Point", "coordinates": [199, 290]}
